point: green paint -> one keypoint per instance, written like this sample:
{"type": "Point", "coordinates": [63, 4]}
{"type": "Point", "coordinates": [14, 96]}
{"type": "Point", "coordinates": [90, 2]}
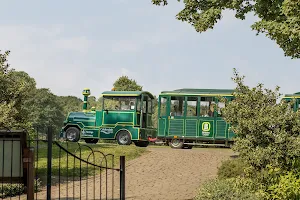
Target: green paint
{"type": "Point", "coordinates": [105, 124]}
{"type": "Point", "coordinates": [193, 127]}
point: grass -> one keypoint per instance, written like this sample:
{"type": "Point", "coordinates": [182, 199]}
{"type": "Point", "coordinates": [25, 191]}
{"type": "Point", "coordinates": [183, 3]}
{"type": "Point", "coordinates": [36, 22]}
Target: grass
{"type": "Point", "coordinates": [66, 166]}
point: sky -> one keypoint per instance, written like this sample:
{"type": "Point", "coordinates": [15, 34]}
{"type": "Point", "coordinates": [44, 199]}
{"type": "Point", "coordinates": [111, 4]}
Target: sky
{"type": "Point", "coordinates": [70, 45]}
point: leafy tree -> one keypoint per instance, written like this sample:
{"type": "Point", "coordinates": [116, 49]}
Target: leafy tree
{"type": "Point", "coordinates": [279, 20]}
{"type": "Point", "coordinates": [123, 83]}
{"type": "Point", "coordinates": [45, 110]}
{"type": "Point", "coordinates": [267, 131]}
{"type": "Point", "coordinates": [92, 102]}
{"type": "Point", "coordinates": [70, 104]}
{"type": "Point", "coordinates": [155, 112]}
{"type": "Point", "coordinates": [15, 89]}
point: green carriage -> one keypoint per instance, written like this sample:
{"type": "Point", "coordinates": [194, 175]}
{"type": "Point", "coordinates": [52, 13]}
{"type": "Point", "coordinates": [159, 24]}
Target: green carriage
{"type": "Point", "coordinates": [291, 97]}
{"type": "Point", "coordinates": [188, 117]}
{"type": "Point", "coordinates": [126, 116]}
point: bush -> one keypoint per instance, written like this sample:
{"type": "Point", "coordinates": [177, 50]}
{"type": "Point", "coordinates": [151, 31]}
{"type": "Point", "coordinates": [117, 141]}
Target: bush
{"type": "Point", "coordinates": [231, 169]}
{"type": "Point", "coordinates": [12, 190]}
{"type": "Point", "coordinates": [287, 188]}
{"type": "Point", "coordinates": [225, 189]}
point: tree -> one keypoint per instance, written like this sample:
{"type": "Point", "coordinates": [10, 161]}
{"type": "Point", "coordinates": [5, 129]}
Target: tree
{"type": "Point", "coordinates": [267, 132]}
{"type": "Point", "coordinates": [70, 104]}
{"type": "Point", "coordinates": [45, 110]}
{"type": "Point", "coordinates": [279, 20]}
{"type": "Point", "coordinates": [123, 83]}
{"type": "Point", "coordinates": [15, 88]}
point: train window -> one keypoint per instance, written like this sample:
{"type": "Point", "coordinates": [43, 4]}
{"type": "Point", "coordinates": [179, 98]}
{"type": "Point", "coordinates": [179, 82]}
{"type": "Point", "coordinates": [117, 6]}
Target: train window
{"type": "Point", "coordinates": [111, 103]}
{"type": "Point", "coordinates": [177, 106]}
{"type": "Point", "coordinates": [119, 103]}
{"type": "Point", "coordinates": [149, 105]}
{"type": "Point", "coordinates": [191, 106]}
{"type": "Point", "coordinates": [163, 106]}
{"type": "Point", "coordinates": [207, 106]}
{"type": "Point", "coordinates": [144, 106]}
{"type": "Point", "coordinates": [127, 103]}
{"type": "Point", "coordinates": [138, 104]}
{"type": "Point", "coordinates": [221, 105]}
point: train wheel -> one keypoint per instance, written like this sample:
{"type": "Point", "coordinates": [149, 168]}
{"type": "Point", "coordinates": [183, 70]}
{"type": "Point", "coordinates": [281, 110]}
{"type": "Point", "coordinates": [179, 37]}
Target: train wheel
{"type": "Point", "coordinates": [73, 134]}
{"type": "Point", "coordinates": [176, 144]}
{"type": "Point", "coordinates": [123, 138]}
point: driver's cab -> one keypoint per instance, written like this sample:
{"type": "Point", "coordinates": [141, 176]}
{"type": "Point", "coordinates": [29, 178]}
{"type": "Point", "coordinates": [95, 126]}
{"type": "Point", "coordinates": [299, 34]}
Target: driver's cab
{"type": "Point", "coordinates": [127, 107]}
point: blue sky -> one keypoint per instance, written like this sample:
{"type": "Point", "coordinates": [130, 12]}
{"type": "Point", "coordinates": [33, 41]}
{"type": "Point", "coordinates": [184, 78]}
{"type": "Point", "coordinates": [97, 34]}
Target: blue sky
{"type": "Point", "coordinates": [68, 45]}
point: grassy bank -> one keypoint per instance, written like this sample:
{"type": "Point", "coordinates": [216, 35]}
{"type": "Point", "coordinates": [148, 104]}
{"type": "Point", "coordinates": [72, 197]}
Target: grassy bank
{"type": "Point", "coordinates": [66, 166]}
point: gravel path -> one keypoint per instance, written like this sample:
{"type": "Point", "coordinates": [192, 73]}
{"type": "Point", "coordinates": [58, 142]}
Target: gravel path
{"type": "Point", "coordinates": [162, 173]}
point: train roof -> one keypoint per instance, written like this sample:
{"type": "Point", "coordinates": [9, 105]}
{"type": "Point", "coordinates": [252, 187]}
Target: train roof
{"type": "Point", "coordinates": [205, 92]}
{"type": "Point", "coordinates": [295, 95]}
{"type": "Point", "coordinates": [127, 93]}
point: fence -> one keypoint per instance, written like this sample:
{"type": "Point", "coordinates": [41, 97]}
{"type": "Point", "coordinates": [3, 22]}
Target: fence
{"type": "Point", "coordinates": [38, 165]}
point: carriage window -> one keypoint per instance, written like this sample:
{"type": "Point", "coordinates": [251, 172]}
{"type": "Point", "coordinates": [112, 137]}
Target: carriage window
{"type": "Point", "coordinates": [149, 105]}
{"type": "Point", "coordinates": [191, 106]}
{"type": "Point", "coordinates": [163, 106]}
{"type": "Point", "coordinates": [221, 105]}
{"type": "Point", "coordinates": [207, 107]}
{"type": "Point", "coordinates": [177, 106]}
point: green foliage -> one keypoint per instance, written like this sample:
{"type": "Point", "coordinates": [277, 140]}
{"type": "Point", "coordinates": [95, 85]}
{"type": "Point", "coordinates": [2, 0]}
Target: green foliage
{"type": "Point", "coordinates": [15, 89]}
{"type": "Point", "coordinates": [224, 189]}
{"type": "Point", "coordinates": [59, 161]}
{"type": "Point", "coordinates": [231, 169]}
{"type": "Point", "coordinates": [22, 105]}
{"type": "Point", "coordinates": [267, 132]}
{"type": "Point", "coordinates": [12, 190]}
{"type": "Point", "coordinates": [123, 83]}
{"type": "Point", "coordinates": [268, 143]}
{"type": "Point", "coordinates": [70, 104]}
{"type": "Point", "coordinates": [279, 20]}
{"type": "Point", "coordinates": [288, 187]}
{"type": "Point", "coordinates": [155, 112]}
{"type": "Point", "coordinates": [45, 109]}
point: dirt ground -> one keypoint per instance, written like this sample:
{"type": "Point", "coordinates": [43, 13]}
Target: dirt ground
{"type": "Point", "coordinates": [161, 174]}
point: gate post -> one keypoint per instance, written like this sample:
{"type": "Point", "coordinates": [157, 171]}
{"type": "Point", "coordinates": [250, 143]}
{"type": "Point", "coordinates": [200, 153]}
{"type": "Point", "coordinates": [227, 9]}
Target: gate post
{"type": "Point", "coordinates": [122, 177]}
{"type": "Point", "coordinates": [30, 174]}
{"type": "Point", "coordinates": [49, 163]}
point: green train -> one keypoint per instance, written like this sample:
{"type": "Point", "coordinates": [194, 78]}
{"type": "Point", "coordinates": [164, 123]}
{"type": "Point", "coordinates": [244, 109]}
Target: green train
{"type": "Point", "coordinates": [125, 117]}
{"type": "Point", "coordinates": [186, 117]}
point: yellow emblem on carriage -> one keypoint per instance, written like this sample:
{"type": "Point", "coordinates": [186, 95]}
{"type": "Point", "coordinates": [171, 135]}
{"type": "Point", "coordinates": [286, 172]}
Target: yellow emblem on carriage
{"type": "Point", "coordinates": [205, 126]}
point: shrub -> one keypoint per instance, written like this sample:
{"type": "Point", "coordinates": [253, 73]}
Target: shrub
{"type": "Point", "coordinates": [286, 188]}
{"type": "Point", "coordinates": [11, 190]}
{"type": "Point", "coordinates": [225, 189]}
{"type": "Point", "coordinates": [231, 168]}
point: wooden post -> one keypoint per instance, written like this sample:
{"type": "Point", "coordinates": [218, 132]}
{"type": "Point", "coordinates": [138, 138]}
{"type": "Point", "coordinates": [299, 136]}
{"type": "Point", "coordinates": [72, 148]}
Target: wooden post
{"type": "Point", "coordinates": [30, 174]}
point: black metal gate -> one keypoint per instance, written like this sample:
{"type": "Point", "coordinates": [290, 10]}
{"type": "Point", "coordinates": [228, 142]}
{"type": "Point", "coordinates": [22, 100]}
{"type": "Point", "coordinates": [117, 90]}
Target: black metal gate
{"type": "Point", "coordinates": [62, 169]}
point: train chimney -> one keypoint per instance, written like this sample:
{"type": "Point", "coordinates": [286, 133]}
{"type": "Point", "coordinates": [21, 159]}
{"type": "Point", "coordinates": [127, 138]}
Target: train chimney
{"type": "Point", "coordinates": [86, 92]}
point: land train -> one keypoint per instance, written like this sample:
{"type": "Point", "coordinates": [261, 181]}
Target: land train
{"type": "Point", "coordinates": [185, 118]}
